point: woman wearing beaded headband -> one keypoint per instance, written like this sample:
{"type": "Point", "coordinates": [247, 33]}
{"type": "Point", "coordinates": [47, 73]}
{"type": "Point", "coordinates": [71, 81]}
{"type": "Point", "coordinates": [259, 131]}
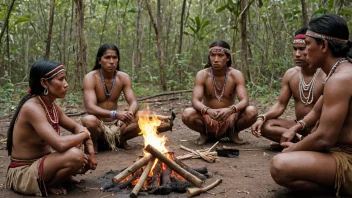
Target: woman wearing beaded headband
{"type": "Point", "coordinates": [324, 158]}
{"type": "Point", "coordinates": [214, 113]}
{"type": "Point", "coordinates": [304, 85]}
{"type": "Point", "coordinates": [35, 130]}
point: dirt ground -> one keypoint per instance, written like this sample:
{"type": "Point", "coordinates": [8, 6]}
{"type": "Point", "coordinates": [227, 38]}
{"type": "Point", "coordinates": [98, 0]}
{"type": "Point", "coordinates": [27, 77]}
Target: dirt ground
{"type": "Point", "coordinates": [245, 176]}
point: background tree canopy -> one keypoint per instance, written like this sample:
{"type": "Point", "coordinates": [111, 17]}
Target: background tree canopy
{"type": "Point", "coordinates": [163, 43]}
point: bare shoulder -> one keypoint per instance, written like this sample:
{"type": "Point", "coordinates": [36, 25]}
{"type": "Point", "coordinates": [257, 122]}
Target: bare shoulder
{"type": "Point", "coordinates": [203, 73]}
{"type": "Point", "coordinates": [31, 106]}
{"type": "Point", "coordinates": [123, 76]}
{"type": "Point", "coordinates": [292, 72]}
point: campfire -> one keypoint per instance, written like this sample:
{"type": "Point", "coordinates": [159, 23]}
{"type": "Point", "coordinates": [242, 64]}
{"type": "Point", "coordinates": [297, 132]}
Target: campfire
{"type": "Point", "coordinates": [158, 171]}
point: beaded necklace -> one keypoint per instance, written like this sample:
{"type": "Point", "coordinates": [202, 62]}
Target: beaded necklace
{"type": "Point", "coordinates": [342, 60]}
{"type": "Point", "coordinates": [104, 85]}
{"type": "Point", "coordinates": [52, 115]}
{"type": "Point", "coordinates": [222, 89]}
{"type": "Point", "coordinates": [303, 87]}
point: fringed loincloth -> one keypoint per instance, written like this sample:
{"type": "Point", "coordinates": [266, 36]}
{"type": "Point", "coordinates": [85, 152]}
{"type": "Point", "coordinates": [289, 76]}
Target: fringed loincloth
{"type": "Point", "coordinates": [219, 129]}
{"type": "Point", "coordinates": [343, 158]}
{"type": "Point", "coordinates": [112, 132]}
{"type": "Point", "coordinates": [26, 177]}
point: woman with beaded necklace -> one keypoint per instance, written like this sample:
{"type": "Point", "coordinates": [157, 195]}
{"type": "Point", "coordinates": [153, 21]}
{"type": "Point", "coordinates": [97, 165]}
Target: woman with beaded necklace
{"type": "Point", "coordinates": [323, 159]}
{"type": "Point", "coordinates": [35, 131]}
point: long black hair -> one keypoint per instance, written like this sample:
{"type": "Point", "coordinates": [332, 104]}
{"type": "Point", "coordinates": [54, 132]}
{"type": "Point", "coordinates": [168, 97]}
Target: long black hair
{"type": "Point", "coordinates": [38, 70]}
{"type": "Point", "coordinates": [220, 44]}
{"type": "Point", "coordinates": [102, 49]}
{"type": "Point", "coordinates": [334, 26]}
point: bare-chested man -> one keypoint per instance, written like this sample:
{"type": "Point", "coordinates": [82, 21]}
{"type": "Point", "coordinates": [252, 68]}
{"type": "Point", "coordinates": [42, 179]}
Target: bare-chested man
{"type": "Point", "coordinates": [214, 113]}
{"type": "Point", "coordinates": [35, 131]}
{"type": "Point", "coordinates": [323, 159]}
{"type": "Point", "coordinates": [103, 86]}
{"type": "Point", "coordinates": [303, 83]}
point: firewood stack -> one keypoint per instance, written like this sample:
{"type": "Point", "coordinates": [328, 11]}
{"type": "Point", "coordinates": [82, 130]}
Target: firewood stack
{"type": "Point", "coordinates": [157, 173]}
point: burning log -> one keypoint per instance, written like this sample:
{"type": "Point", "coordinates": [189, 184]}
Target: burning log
{"type": "Point", "coordinates": [182, 172]}
{"type": "Point", "coordinates": [141, 180]}
{"type": "Point", "coordinates": [155, 181]}
{"type": "Point", "coordinates": [129, 180]}
{"type": "Point", "coordinates": [195, 173]}
{"type": "Point", "coordinates": [138, 164]}
{"type": "Point", "coordinates": [195, 191]}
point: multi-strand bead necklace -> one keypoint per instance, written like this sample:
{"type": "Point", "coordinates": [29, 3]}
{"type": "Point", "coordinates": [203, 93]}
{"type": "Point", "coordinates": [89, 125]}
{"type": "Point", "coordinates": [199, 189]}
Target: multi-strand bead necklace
{"type": "Point", "coordinates": [216, 88]}
{"type": "Point", "coordinates": [303, 87]}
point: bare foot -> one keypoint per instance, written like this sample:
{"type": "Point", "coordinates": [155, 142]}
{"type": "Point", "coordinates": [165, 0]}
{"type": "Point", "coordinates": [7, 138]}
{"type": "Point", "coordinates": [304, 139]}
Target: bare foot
{"type": "Point", "coordinates": [233, 136]}
{"type": "Point", "coordinates": [202, 139]}
{"type": "Point", "coordinates": [59, 190]}
{"type": "Point", "coordinates": [125, 146]}
{"type": "Point", "coordinates": [75, 180]}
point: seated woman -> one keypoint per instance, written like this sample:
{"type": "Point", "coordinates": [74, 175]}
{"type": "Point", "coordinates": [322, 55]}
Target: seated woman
{"type": "Point", "coordinates": [34, 133]}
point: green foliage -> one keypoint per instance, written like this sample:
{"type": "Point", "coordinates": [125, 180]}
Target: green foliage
{"type": "Point", "coordinates": [198, 28]}
{"type": "Point", "coordinates": [10, 95]}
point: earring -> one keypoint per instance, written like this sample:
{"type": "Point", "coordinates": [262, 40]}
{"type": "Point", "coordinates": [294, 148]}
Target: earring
{"type": "Point", "coordinates": [45, 91]}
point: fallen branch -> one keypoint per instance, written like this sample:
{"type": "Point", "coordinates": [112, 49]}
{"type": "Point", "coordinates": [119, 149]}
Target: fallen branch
{"type": "Point", "coordinates": [141, 180]}
{"type": "Point", "coordinates": [164, 94]}
{"type": "Point", "coordinates": [75, 114]}
{"type": "Point", "coordinates": [196, 191]}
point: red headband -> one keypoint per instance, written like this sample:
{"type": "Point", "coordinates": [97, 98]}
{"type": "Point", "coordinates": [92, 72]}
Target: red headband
{"type": "Point", "coordinates": [300, 36]}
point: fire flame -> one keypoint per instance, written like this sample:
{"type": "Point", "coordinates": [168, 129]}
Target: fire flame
{"type": "Point", "coordinates": [148, 123]}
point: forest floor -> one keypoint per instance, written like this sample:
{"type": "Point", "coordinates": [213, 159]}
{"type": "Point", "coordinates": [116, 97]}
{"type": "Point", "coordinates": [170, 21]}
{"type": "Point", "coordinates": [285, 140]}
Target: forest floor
{"type": "Point", "coordinates": [245, 176]}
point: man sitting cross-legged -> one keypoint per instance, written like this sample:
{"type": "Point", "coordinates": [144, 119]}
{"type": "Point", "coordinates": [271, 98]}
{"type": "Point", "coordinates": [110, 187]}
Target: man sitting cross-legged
{"type": "Point", "coordinates": [304, 83]}
{"type": "Point", "coordinates": [214, 113]}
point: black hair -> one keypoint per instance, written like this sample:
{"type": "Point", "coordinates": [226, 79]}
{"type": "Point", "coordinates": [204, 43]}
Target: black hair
{"type": "Point", "coordinates": [302, 30]}
{"type": "Point", "coordinates": [38, 70]}
{"type": "Point", "coordinates": [223, 44]}
{"type": "Point", "coordinates": [102, 49]}
{"type": "Point", "coordinates": [334, 26]}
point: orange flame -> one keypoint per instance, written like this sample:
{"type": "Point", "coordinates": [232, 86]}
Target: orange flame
{"type": "Point", "coordinates": [148, 123]}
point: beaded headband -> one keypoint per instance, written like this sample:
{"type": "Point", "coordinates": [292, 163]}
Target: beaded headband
{"type": "Point", "coordinates": [220, 49]}
{"type": "Point", "coordinates": [54, 72]}
{"type": "Point", "coordinates": [322, 36]}
{"type": "Point", "coordinates": [299, 38]}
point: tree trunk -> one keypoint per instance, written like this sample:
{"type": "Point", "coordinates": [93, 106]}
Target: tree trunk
{"type": "Point", "coordinates": [6, 22]}
{"type": "Point", "coordinates": [139, 39]}
{"type": "Point", "coordinates": [81, 46]}
{"type": "Point", "coordinates": [304, 12]}
{"type": "Point", "coordinates": [159, 49]}
{"type": "Point", "coordinates": [243, 20]}
{"type": "Point", "coordinates": [181, 27]}
{"type": "Point", "coordinates": [102, 31]}
{"type": "Point", "coordinates": [50, 29]}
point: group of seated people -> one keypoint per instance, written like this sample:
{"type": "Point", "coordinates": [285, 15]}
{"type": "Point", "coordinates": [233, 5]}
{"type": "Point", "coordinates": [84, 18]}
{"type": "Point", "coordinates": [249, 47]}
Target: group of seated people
{"type": "Point", "coordinates": [317, 145]}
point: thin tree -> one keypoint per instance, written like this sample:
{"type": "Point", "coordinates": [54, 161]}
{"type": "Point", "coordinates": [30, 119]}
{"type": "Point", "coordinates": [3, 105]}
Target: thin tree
{"type": "Point", "coordinates": [81, 46]}
{"type": "Point", "coordinates": [102, 31]}
{"type": "Point", "coordinates": [243, 21]}
{"type": "Point", "coordinates": [181, 27]}
{"type": "Point", "coordinates": [6, 21]}
{"type": "Point", "coordinates": [160, 55]}
{"type": "Point", "coordinates": [50, 29]}
{"type": "Point", "coordinates": [139, 37]}
{"type": "Point", "coordinates": [304, 12]}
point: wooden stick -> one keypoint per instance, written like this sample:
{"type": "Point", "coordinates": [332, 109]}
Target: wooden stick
{"type": "Point", "coordinates": [195, 191]}
{"type": "Point", "coordinates": [187, 168]}
{"type": "Point", "coordinates": [185, 174]}
{"type": "Point", "coordinates": [143, 161]}
{"type": "Point", "coordinates": [193, 156]}
{"type": "Point", "coordinates": [212, 146]}
{"type": "Point", "coordinates": [198, 153]}
{"type": "Point", "coordinates": [141, 180]}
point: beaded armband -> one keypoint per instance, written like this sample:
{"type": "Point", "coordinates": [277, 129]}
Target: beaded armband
{"type": "Point", "coordinates": [204, 110]}
{"type": "Point", "coordinates": [113, 115]}
{"type": "Point", "coordinates": [261, 117]}
{"type": "Point", "coordinates": [303, 124]}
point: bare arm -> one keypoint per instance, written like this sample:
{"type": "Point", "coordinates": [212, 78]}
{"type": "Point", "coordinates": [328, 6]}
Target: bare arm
{"type": "Point", "coordinates": [47, 132]}
{"type": "Point", "coordinates": [285, 94]}
{"type": "Point", "coordinates": [90, 98]}
{"type": "Point", "coordinates": [241, 92]}
{"type": "Point", "coordinates": [336, 103]}
{"type": "Point", "coordinates": [198, 90]}
{"type": "Point", "coordinates": [129, 94]}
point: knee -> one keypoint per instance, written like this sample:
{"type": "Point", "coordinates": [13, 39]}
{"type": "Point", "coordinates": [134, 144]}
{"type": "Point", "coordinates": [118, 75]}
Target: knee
{"type": "Point", "coordinates": [278, 168]}
{"type": "Point", "coordinates": [251, 112]}
{"type": "Point", "coordinates": [74, 157]}
{"type": "Point", "coordinates": [90, 121]}
{"type": "Point", "coordinates": [187, 114]}
{"type": "Point", "coordinates": [266, 128]}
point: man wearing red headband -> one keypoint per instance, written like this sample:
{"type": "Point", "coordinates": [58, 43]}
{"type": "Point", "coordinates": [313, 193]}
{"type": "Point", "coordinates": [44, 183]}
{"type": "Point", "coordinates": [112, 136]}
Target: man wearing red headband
{"type": "Point", "coordinates": [302, 82]}
{"type": "Point", "coordinates": [214, 113]}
